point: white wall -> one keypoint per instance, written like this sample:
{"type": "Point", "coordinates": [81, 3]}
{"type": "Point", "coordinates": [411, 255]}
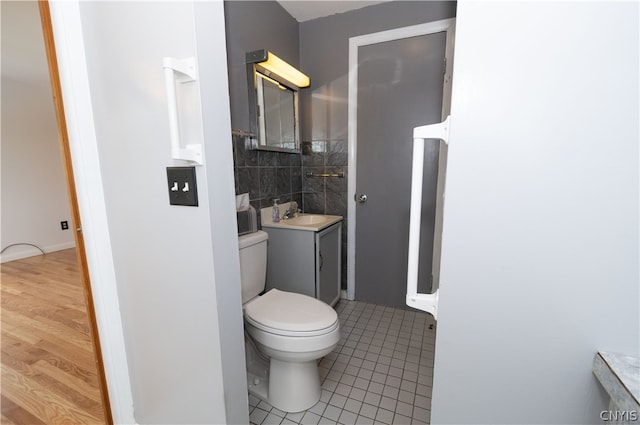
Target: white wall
{"type": "Point", "coordinates": [540, 245]}
{"type": "Point", "coordinates": [176, 268]}
{"type": "Point", "coordinates": [211, 52]}
{"type": "Point", "coordinates": [33, 193]}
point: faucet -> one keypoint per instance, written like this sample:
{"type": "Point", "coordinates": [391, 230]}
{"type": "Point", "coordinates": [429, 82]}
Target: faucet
{"type": "Point", "coordinates": [292, 211]}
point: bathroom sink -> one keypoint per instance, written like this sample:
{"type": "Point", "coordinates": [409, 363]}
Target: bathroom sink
{"type": "Point", "coordinates": [307, 219]}
{"type": "Point", "coordinates": [308, 222]}
{"type": "Point", "coordinates": [313, 222]}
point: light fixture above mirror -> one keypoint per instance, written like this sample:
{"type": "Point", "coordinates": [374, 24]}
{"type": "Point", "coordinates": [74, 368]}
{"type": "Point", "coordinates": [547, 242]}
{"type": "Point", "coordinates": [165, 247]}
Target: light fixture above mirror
{"type": "Point", "coordinates": [273, 101]}
{"type": "Point", "coordinates": [271, 64]}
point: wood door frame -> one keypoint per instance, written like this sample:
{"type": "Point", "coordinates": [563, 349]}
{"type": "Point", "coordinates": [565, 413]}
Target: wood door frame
{"type": "Point", "coordinates": [445, 25]}
{"type": "Point", "coordinates": [61, 22]}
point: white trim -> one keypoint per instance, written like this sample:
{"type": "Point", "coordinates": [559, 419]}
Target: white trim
{"type": "Point", "coordinates": [355, 43]}
{"type": "Point", "coordinates": [31, 251]}
{"type": "Point", "coordinates": [76, 96]}
{"type": "Point", "coordinates": [442, 162]}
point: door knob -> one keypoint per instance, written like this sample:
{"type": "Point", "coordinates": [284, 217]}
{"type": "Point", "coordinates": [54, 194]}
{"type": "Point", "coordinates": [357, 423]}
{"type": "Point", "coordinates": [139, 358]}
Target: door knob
{"type": "Point", "coordinates": [361, 199]}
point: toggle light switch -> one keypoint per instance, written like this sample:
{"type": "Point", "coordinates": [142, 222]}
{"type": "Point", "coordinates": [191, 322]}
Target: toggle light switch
{"type": "Point", "coordinates": [181, 182]}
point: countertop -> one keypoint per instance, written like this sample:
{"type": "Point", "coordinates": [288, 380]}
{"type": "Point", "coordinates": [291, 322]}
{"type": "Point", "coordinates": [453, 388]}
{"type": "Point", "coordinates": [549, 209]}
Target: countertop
{"type": "Point", "coordinates": [267, 221]}
{"type": "Point", "coordinates": [620, 376]}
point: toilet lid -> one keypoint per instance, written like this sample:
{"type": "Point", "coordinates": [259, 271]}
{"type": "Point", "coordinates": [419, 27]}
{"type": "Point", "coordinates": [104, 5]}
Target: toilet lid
{"type": "Point", "coordinates": [291, 312]}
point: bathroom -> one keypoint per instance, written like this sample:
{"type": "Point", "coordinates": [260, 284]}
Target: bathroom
{"type": "Point", "coordinates": [320, 48]}
{"type": "Point", "coordinates": [535, 242]}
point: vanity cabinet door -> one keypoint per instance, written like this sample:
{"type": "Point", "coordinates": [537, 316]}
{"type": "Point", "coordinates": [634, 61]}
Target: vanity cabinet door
{"type": "Point", "coordinates": [328, 269]}
{"type": "Point", "coordinates": [305, 262]}
{"type": "Point", "coordinates": [291, 261]}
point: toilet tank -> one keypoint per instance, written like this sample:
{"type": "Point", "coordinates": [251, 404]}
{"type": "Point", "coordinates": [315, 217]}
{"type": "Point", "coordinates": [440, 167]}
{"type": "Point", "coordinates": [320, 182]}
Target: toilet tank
{"type": "Point", "coordinates": [253, 264]}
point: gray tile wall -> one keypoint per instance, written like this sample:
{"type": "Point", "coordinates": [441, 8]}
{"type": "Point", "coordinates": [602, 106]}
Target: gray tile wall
{"type": "Point", "coordinates": [269, 175]}
{"type": "Point", "coordinates": [266, 175]}
{"type": "Point", "coordinates": [324, 195]}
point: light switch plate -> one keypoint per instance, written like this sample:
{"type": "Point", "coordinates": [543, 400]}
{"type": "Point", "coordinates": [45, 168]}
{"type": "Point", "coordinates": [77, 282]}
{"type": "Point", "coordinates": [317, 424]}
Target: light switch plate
{"type": "Point", "coordinates": [182, 186]}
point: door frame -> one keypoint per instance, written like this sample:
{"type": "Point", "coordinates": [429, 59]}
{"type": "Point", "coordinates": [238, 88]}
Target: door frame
{"type": "Point", "coordinates": [445, 25]}
{"type": "Point", "coordinates": [64, 45]}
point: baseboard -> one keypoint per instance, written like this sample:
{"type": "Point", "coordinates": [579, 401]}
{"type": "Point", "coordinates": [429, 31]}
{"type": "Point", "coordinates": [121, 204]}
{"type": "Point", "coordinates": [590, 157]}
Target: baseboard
{"type": "Point", "coordinates": [25, 251]}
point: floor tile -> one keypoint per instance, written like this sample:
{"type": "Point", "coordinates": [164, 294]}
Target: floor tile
{"type": "Point", "coordinates": [361, 383]}
{"type": "Point", "coordinates": [257, 416]}
{"type": "Point", "coordinates": [369, 411]}
{"type": "Point", "coordinates": [375, 387]}
{"type": "Point", "coordinates": [347, 418]}
{"type": "Point", "coordinates": [353, 405]}
{"type": "Point", "coordinates": [420, 414]}
{"type": "Point", "coordinates": [296, 417]}
{"type": "Point", "coordinates": [332, 412]}
{"type": "Point", "coordinates": [310, 418]}
{"type": "Point", "coordinates": [372, 398]}
{"type": "Point", "coordinates": [363, 420]}
{"type": "Point", "coordinates": [357, 394]}
{"type": "Point", "coordinates": [404, 409]}
{"type": "Point", "coordinates": [384, 416]}
{"type": "Point", "coordinates": [319, 407]}
{"type": "Point", "coordinates": [338, 400]}
{"type": "Point", "coordinates": [272, 419]}
{"type": "Point", "coordinates": [388, 403]}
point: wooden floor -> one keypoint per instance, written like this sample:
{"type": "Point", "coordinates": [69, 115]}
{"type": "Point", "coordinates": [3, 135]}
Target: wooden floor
{"type": "Point", "coordinates": [48, 367]}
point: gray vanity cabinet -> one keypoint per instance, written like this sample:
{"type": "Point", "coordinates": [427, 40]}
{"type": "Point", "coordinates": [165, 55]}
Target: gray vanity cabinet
{"type": "Point", "coordinates": [305, 262]}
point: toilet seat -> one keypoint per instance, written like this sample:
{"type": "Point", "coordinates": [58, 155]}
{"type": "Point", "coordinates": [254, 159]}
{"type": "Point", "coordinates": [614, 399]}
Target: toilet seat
{"type": "Point", "coordinates": [290, 314]}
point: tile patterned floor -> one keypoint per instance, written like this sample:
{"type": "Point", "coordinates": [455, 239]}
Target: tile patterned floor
{"type": "Point", "coordinates": [381, 372]}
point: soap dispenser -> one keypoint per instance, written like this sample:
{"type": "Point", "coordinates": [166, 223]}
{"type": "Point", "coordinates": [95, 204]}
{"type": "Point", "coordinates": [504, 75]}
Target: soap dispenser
{"type": "Point", "coordinates": [275, 214]}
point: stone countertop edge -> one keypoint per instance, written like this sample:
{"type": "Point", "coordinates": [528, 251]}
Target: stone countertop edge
{"type": "Point", "coordinates": [620, 375]}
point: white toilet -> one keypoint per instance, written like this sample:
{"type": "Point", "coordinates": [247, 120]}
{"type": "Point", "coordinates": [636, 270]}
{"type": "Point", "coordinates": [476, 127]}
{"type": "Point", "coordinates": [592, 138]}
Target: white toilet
{"type": "Point", "coordinates": [293, 330]}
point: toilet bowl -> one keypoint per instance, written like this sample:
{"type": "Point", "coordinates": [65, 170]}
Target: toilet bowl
{"type": "Point", "coordinates": [286, 334]}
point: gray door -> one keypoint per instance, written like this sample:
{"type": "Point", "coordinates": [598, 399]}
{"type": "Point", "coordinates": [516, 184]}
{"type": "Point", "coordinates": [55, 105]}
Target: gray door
{"type": "Point", "coordinates": [400, 86]}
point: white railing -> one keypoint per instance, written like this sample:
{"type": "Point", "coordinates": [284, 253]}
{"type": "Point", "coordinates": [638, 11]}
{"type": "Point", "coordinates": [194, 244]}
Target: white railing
{"type": "Point", "coordinates": [424, 302]}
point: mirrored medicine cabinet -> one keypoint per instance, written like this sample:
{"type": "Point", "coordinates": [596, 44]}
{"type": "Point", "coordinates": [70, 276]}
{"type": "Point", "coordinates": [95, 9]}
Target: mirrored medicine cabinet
{"type": "Point", "coordinates": [273, 102]}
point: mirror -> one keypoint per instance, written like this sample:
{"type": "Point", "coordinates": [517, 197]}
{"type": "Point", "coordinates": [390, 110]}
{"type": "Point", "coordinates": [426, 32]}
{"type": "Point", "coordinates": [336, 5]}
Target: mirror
{"type": "Point", "coordinates": [273, 102]}
{"type": "Point", "coordinates": [277, 124]}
